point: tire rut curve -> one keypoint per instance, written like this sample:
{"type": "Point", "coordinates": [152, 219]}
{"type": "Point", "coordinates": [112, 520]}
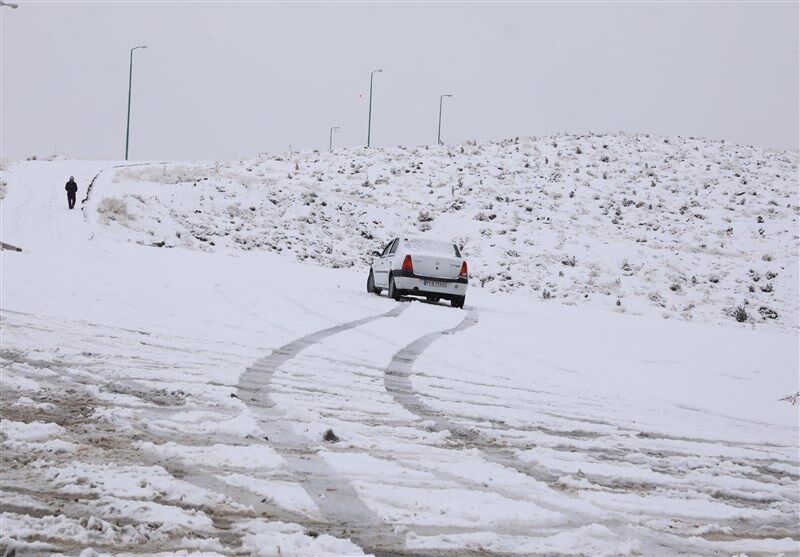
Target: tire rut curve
{"type": "Point", "coordinates": [336, 499]}
{"type": "Point", "coordinates": [397, 381]}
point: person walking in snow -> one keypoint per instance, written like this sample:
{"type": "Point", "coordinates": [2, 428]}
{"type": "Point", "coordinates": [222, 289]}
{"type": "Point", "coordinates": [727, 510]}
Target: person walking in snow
{"type": "Point", "coordinates": [72, 190]}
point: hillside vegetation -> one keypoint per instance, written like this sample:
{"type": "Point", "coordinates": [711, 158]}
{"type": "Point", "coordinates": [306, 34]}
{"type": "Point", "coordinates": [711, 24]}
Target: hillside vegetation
{"type": "Point", "coordinates": [682, 228]}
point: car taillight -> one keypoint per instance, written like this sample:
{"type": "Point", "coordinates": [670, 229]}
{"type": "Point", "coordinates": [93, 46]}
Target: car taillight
{"type": "Point", "coordinates": [463, 272]}
{"type": "Point", "coordinates": [407, 264]}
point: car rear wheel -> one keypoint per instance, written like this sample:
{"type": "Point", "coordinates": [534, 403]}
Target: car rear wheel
{"type": "Point", "coordinates": [393, 293]}
{"type": "Point", "coordinates": [458, 302]}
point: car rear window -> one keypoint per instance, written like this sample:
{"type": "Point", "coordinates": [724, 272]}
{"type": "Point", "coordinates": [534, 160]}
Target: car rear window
{"type": "Point", "coordinates": [432, 246]}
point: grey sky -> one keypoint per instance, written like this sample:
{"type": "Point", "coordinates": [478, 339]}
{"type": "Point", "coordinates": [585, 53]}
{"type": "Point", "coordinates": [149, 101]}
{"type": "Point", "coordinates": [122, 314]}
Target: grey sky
{"type": "Point", "coordinates": [224, 80]}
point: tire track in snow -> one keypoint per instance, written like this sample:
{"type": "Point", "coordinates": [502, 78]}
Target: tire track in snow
{"type": "Point", "coordinates": [340, 513]}
{"type": "Point", "coordinates": [397, 380]}
{"type": "Point", "coordinates": [336, 499]}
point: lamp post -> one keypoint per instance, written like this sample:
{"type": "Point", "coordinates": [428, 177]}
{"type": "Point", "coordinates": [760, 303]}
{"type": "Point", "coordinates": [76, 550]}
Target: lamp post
{"type": "Point", "coordinates": [130, 81]}
{"type": "Point", "coordinates": [439, 135]}
{"type": "Point", "coordinates": [369, 122]}
{"type": "Point", "coordinates": [330, 141]}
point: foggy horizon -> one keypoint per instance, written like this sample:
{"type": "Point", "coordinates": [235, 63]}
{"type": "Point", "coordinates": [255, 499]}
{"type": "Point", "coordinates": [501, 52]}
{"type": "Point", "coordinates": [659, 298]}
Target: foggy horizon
{"type": "Point", "coordinates": [712, 70]}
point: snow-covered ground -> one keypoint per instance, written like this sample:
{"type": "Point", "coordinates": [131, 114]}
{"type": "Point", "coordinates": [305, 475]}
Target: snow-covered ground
{"type": "Point", "coordinates": [164, 400]}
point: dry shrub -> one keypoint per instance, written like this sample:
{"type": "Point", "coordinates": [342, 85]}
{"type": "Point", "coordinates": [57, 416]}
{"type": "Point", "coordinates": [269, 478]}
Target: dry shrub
{"type": "Point", "coordinates": [114, 208]}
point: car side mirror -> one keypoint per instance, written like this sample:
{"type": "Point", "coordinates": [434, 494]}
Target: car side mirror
{"type": "Point", "coordinates": [376, 254]}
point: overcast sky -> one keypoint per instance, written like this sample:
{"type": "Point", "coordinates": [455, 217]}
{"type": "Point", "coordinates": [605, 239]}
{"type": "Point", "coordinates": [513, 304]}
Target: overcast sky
{"type": "Point", "coordinates": [224, 80]}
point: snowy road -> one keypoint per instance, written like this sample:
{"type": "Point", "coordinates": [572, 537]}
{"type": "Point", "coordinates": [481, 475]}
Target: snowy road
{"type": "Point", "coordinates": [156, 400]}
{"type": "Point", "coordinates": [531, 501]}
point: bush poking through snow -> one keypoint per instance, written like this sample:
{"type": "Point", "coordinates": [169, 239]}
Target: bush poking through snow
{"type": "Point", "coordinates": [481, 216]}
{"type": "Point", "coordinates": [791, 399]}
{"type": "Point", "coordinates": [114, 208]}
{"type": "Point", "coordinates": [739, 313]}
{"type": "Point", "coordinates": [767, 313]}
{"type": "Point", "coordinates": [424, 216]}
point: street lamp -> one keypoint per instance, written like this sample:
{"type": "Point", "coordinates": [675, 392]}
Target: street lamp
{"type": "Point", "coordinates": [330, 141]}
{"type": "Point", "coordinates": [9, 4]}
{"type": "Point", "coordinates": [130, 80]}
{"type": "Point", "coordinates": [439, 135]}
{"type": "Point", "coordinates": [369, 122]}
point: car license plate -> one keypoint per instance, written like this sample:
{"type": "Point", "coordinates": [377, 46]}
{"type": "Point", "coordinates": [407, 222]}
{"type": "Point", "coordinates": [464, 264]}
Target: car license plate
{"type": "Point", "coordinates": [435, 283]}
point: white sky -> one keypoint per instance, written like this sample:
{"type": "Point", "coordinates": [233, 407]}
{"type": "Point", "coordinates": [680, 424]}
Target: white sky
{"type": "Point", "coordinates": [223, 80]}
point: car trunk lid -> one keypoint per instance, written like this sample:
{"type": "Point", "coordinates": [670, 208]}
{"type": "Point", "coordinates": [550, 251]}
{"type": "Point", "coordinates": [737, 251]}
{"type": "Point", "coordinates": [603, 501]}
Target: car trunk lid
{"type": "Point", "coordinates": [434, 258]}
{"type": "Point", "coordinates": [436, 265]}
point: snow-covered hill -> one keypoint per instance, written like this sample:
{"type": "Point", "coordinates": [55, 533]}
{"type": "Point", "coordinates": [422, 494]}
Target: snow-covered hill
{"type": "Point", "coordinates": [681, 228]}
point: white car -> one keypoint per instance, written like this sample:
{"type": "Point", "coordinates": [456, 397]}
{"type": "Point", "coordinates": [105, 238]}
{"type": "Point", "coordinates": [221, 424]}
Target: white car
{"type": "Point", "coordinates": [420, 267]}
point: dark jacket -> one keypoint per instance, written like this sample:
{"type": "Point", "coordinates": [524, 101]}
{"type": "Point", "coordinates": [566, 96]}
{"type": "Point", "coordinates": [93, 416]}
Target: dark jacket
{"type": "Point", "coordinates": [71, 187]}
